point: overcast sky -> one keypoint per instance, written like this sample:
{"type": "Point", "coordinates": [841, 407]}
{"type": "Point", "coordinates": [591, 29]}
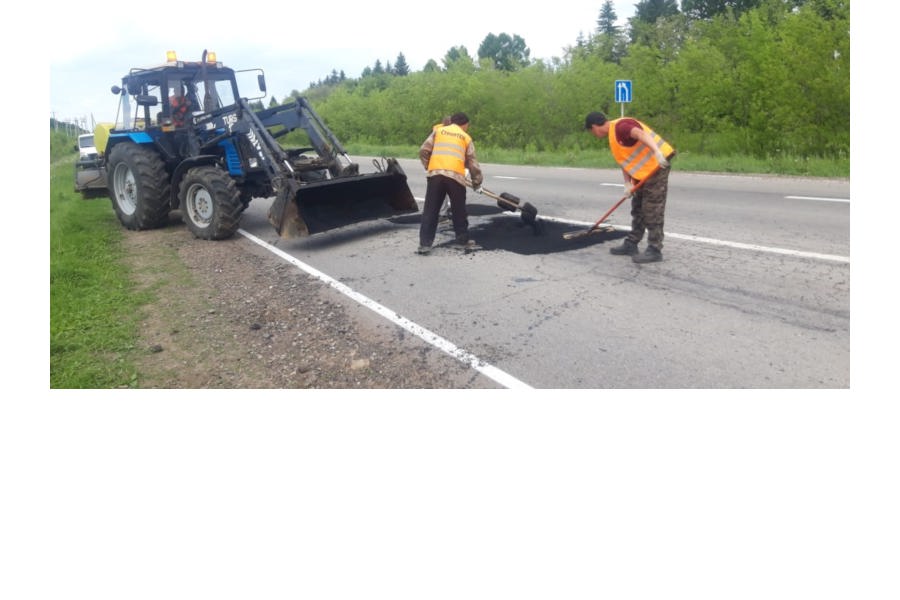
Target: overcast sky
{"type": "Point", "coordinates": [295, 43]}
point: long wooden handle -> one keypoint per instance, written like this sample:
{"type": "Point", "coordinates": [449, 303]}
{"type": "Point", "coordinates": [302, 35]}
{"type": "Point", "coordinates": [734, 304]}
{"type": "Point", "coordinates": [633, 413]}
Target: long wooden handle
{"type": "Point", "coordinates": [619, 203]}
{"type": "Point", "coordinates": [496, 197]}
{"type": "Point", "coordinates": [571, 235]}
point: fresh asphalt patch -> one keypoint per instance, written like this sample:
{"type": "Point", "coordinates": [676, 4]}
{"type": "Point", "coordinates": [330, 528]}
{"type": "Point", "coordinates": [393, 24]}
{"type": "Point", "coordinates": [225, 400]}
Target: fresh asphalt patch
{"type": "Point", "coordinates": [510, 234]}
{"type": "Point", "coordinates": [495, 229]}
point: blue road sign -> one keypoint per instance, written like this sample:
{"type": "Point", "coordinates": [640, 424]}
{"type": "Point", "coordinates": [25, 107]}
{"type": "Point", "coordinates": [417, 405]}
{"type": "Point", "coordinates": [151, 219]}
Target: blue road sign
{"type": "Point", "coordinates": [623, 90]}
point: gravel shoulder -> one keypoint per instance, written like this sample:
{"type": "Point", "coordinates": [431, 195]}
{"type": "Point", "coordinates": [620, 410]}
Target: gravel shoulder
{"type": "Point", "coordinates": [228, 315]}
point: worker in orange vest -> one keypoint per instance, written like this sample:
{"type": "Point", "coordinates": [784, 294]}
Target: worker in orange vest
{"type": "Point", "coordinates": [446, 154]}
{"type": "Point", "coordinates": [644, 157]}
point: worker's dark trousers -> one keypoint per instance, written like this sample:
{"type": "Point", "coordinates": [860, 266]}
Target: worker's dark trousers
{"type": "Point", "coordinates": [436, 190]}
{"type": "Point", "coordinates": [648, 209]}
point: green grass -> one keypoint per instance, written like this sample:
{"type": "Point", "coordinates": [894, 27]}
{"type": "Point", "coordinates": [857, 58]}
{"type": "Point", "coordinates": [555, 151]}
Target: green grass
{"type": "Point", "coordinates": [93, 305]}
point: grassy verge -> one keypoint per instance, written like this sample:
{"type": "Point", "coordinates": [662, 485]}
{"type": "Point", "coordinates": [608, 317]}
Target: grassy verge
{"type": "Point", "coordinates": [93, 306]}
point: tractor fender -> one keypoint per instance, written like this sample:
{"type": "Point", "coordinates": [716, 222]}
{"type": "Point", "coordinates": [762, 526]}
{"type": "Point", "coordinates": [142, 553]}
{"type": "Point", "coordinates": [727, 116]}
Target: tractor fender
{"type": "Point", "coordinates": [136, 137]}
{"type": "Point", "coordinates": [182, 168]}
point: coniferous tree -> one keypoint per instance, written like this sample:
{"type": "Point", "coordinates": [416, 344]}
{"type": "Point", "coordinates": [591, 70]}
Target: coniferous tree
{"type": "Point", "coordinates": [400, 66]}
{"type": "Point", "coordinates": [609, 43]}
{"type": "Point", "coordinates": [606, 22]}
{"type": "Point", "coordinates": [648, 11]}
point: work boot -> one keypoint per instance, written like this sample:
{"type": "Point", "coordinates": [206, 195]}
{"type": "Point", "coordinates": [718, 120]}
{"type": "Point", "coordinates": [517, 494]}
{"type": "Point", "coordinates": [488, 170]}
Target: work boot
{"type": "Point", "coordinates": [467, 244]}
{"type": "Point", "coordinates": [651, 254]}
{"type": "Point", "coordinates": [628, 247]}
{"type": "Point", "coordinates": [471, 246]}
{"type": "Point", "coordinates": [423, 250]}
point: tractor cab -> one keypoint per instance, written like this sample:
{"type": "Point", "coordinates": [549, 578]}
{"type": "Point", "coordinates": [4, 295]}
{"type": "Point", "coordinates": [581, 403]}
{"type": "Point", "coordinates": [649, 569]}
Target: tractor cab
{"type": "Point", "coordinates": [170, 94]}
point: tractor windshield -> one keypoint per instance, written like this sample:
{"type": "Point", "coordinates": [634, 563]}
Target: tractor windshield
{"type": "Point", "coordinates": [216, 91]}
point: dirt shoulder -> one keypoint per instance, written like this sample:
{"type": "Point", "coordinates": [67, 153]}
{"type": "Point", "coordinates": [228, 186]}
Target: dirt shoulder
{"type": "Point", "coordinates": [228, 314]}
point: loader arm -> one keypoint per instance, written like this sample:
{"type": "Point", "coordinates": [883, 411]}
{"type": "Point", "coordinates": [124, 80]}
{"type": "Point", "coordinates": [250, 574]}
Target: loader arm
{"type": "Point", "coordinates": [303, 205]}
{"type": "Point", "coordinates": [284, 119]}
{"type": "Point", "coordinates": [283, 213]}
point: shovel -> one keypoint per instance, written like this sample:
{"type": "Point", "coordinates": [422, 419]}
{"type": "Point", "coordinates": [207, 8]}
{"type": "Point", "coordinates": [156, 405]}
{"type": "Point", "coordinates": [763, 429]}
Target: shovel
{"type": "Point", "coordinates": [596, 227]}
{"type": "Point", "coordinates": [513, 203]}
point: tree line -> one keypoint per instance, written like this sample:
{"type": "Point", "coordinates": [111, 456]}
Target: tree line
{"type": "Point", "coordinates": [718, 77]}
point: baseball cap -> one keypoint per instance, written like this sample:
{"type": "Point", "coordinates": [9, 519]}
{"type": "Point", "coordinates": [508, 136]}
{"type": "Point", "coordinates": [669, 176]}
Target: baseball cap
{"type": "Point", "coordinates": [594, 118]}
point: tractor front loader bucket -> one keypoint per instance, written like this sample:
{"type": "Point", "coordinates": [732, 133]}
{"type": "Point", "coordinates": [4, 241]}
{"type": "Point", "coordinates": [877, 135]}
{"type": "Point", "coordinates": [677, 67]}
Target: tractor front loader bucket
{"type": "Point", "coordinates": [283, 214]}
{"type": "Point", "coordinates": [308, 208]}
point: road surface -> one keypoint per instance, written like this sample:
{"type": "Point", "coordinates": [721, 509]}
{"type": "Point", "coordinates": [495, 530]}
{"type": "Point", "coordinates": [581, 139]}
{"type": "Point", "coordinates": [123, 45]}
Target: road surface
{"type": "Point", "coordinates": [753, 292]}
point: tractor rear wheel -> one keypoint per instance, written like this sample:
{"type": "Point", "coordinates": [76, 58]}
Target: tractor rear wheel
{"type": "Point", "coordinates": [138, 186]}
{"type": "Point", "coordinates": [210, 203]}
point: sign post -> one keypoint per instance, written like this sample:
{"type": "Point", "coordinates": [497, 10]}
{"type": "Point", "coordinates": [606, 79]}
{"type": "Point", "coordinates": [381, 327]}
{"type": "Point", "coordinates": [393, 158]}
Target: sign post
{"type": "Point", "coordinates": [623, 93]}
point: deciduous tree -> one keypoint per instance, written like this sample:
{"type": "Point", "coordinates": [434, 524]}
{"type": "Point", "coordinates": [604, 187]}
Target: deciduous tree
{"type": "Point", "coordinates": [506, 53]}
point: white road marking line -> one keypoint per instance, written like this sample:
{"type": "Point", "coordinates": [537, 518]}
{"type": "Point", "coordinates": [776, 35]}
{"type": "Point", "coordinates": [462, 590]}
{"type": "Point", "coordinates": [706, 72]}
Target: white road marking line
{"type": "Point", "coordinates": [769, 249]}
{"type": "Point", "coordinates": [715, 242]}
{"type": "Point", "coordinates": [821, 199]}
{"type": "Point", "coordinates": [490, 371]}
{"type": "Point", "coordinates": [818, 198]}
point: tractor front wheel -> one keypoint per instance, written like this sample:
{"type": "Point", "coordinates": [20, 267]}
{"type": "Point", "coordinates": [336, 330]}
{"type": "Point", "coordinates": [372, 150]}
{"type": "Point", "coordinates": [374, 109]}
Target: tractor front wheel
{"type": "Point", "coordinates": [210, 203]}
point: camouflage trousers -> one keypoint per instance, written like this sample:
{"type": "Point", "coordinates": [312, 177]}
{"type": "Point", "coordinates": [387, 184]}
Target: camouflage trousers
{"type": "Point", "coordinates": [648, 209]}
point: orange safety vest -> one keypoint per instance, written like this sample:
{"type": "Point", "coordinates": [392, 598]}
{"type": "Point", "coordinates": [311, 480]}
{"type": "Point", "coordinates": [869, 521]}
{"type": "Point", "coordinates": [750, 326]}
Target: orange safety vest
{"type": "Point", "coordinates": [639, 160]}
{"type": "Point", "coordinates": [449, 153]}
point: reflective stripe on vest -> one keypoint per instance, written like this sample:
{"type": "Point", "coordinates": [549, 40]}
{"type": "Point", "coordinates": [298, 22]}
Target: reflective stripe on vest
{"type": "Point", "coordinates": [639, 161]}
{"type": "Point", "coordinates": [449, 153]}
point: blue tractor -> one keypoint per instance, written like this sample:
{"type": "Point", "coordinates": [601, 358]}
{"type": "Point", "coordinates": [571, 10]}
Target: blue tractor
{"type": "Point", "coordinates": [184, 139]}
